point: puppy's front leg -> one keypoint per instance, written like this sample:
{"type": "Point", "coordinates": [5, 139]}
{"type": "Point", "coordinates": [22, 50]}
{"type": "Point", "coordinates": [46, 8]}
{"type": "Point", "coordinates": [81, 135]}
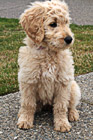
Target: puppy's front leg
{"type": "Point", "coordinates": [28, 106]}
{"type": "Point", "coordinates": [60, 108]}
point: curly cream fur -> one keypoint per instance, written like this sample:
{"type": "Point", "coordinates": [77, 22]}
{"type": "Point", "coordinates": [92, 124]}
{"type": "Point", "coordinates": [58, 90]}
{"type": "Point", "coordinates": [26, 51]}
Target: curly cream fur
{"type": "Point", "coordinates": [46, 75]}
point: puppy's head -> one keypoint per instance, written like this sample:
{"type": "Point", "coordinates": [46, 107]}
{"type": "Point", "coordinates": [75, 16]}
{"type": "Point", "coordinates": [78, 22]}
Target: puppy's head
{"type": "Point", "coordinates": [47, 23]}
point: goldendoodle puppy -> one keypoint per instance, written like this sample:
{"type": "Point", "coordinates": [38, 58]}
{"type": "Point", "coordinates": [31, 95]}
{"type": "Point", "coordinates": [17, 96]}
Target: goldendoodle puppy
{"type": "Point", "coordinates": [46, 74]}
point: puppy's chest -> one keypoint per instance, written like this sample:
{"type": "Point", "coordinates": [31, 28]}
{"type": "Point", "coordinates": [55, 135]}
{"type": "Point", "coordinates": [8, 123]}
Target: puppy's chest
{"type": "Point", "coordinates": [48, 77]}
{"type": "Point", "coordinates": [49, 70]}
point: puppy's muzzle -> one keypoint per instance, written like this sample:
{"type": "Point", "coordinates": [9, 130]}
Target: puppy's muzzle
{"type": "Point", "coordinates": [68, 39]}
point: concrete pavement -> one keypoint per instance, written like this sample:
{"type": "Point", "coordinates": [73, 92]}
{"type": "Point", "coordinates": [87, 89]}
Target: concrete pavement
{"type": "Point", "coordinates": [43, 124]}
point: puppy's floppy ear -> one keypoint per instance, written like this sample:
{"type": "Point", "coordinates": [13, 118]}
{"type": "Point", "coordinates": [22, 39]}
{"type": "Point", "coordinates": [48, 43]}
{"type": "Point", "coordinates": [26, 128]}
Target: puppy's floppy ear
{"type": "Point", "coordinates": [32, 22]}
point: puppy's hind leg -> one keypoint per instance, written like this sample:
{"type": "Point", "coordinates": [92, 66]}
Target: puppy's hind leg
{"type": "Point", "coordinates": [73, 114]}
{"type": "Point", "coordinates": [28, 106]}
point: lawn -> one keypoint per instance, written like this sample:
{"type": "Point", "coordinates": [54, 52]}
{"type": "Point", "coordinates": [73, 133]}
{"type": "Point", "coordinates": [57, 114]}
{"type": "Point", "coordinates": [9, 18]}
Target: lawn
{"type": "Point", "coordinates": [11, 36]}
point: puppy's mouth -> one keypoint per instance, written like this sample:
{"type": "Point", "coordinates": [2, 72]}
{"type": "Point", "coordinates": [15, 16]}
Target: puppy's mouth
{"type": "Point", "coordinates": [60, 44]}
{"type": "Point", "coordinates": [65, 46]}
{"type": "Point", "coordinates": [64, 43]}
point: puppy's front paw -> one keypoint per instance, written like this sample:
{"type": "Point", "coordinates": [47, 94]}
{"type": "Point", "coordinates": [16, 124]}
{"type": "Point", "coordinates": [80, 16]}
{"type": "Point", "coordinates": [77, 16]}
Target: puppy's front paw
{"type": "Point", "coordinates": [24, 123]}
{"type": "Point", "coordinates": [62, 126]}
{"type": "Point", "coordinates": [73, 115]}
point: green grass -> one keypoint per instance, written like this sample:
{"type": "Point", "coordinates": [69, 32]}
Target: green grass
{"type": "Point", "coordinates": [83, 48]}
{"type": "Point", "coordinates": [11, 36]}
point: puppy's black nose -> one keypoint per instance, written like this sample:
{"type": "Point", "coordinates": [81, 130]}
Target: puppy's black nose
{"type": "Point", "coordinates": [68, 39]}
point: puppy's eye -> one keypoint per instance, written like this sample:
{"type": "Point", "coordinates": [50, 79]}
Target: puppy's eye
{"type": "Point", "coordinates": [53, 24]}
